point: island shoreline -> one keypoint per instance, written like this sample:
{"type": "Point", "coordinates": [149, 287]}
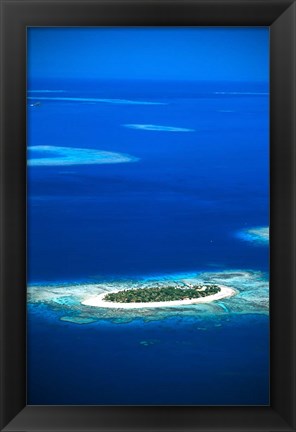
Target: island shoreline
{"type": "Point", "coordinates": [98, 301]}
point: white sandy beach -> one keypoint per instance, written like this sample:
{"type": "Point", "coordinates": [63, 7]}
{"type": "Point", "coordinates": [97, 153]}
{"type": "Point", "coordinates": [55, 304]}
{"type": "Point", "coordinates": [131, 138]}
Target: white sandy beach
{"type": "Point", "coordinates": [98, 301]}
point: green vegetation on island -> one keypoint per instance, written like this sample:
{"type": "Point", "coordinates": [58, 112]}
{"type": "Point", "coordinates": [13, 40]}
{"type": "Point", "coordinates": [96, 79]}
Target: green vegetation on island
{"type": "Point", "coordinates": [161, 294]}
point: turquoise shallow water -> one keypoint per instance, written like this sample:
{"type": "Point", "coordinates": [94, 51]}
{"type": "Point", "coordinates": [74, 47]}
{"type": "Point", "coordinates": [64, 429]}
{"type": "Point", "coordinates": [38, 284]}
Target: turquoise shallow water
{"type": "Point", "coordinates": [251, 296]}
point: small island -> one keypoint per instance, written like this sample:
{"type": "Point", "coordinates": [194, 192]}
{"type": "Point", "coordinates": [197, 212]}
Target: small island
{"type": "Point", "coordinates": [163, 296]}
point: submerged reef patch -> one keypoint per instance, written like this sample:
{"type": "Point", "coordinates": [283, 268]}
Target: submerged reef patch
{"type": "Point", "coordinates": [157, 128]}
{"type": "Point", "coordinates": [100, 100]}
{"type": "Point", "coordinates": [257, 235]}
{"type": "Point", "coordinates": [57, 156]}
{"type": "Point", "coordinates": [46, 91]}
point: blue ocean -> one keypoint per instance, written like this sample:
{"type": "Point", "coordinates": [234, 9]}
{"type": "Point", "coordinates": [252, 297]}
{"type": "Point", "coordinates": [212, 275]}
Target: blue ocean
{"type": "Point", "coordinates": [134, 180]}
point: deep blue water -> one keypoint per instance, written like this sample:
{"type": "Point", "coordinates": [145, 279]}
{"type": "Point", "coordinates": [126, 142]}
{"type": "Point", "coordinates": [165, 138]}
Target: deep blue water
{"type": "Point", "coordinates": [208, 361]}
{"type": "Point", "coordinates": [177, 208]}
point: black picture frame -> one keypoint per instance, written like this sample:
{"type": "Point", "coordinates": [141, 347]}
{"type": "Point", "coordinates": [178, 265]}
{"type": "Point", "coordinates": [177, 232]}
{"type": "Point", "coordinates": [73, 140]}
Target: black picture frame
{"type": "Point", "coordinates": [16, 15]}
